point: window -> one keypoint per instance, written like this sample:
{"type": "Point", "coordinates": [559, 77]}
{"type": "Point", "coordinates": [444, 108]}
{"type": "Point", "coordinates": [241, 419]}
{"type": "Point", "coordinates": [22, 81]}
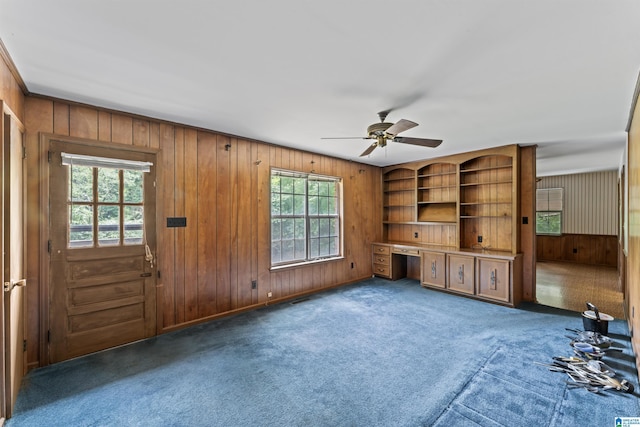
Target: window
{"type": "Point", "coordinates": [549, 211]}
{"type": "Point", "coordinates": [106, 201]}
{"type": "Point", "coordinates": [305, 217]}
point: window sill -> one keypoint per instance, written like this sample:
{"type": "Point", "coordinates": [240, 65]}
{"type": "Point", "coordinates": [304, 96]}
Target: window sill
{"type": "Point", "coordinates": [305, 263]}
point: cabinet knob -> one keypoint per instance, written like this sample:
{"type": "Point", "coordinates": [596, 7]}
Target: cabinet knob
{"type": "Point", "coordinates": [433, 269]}
{"type": "Point", "coordinates": [461, 273]}
{"type": "Point", "coordinates": [494, 279]}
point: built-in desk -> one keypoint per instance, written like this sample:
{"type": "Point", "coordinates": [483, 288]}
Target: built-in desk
{"type": "Point", "coordinates": [483, 274]}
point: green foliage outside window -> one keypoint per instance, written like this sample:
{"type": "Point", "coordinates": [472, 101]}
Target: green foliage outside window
{"type": "Point", "coordinates": [305, 219]}
{"type": "Point", "coordinates": [548, 222]}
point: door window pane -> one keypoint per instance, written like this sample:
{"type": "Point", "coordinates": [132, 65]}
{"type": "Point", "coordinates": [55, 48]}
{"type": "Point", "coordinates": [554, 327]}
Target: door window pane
{"type": "Point", "coordinates": [108, 185]}
{"type": "Point", "coordinates": [133, 219]}
{"type": "Point", "coordinates": [80, 226]}
{"type": "Point", "coordinates": [108, 225]}
{"type": "Point", "coordinates": [132, 187]}
{"type": "Point", "coordinates": [81, 184]}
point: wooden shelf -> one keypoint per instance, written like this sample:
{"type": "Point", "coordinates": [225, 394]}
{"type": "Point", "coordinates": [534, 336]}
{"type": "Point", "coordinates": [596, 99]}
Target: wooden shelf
{"type": "Point", "coordinates": [472, 184]}
{"type": "Point", "coordinates": [399, 179]}
{"type": "Point", "coordinates": [428, 175]}
{"type": "Point", "coordinates": [487, 168]}
{"type": "Point", "coordinates": [484, 216]}
{"type": "Point", "coordinates": [437, 187]}
{"type": "Point", "coordinates": [436, 202]}
{"type": "Point", "coordinates": [421, 223]}
{"type": "Point", "coordinates": [484, 203]}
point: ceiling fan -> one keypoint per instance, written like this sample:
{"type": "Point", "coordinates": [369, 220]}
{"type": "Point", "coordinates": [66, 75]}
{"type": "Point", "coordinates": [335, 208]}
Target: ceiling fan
{"type": "Point", "coordinates": [382, 132]}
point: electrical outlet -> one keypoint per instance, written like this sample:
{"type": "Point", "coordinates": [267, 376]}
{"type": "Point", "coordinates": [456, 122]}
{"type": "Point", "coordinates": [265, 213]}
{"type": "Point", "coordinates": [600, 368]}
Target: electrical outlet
{"type": "Point", "coordinates": [254, 284]}
{"type": "Point", "coordinates": [479, 239]}
{"type": "Point", "coordinates": [269, 294]}
{"type": "Point", "coordinates": [415, 234]}
{"type": "Point", "coordinates": [352, 265]}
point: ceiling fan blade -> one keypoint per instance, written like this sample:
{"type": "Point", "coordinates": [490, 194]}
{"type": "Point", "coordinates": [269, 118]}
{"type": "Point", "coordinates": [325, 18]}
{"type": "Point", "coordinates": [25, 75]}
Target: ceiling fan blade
{"type": "Point", "coordinates": [369, 149]}
{"type": "Point", "coordinates": [400, 126]}
{"type": "Point", "coordinates": [347, 137]}
{"type": "Point", "coordinates": [418, 141]}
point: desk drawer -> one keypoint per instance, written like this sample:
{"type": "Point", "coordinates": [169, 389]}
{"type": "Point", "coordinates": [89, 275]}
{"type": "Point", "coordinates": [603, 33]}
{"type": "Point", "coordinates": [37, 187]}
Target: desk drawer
{"type": "Point", "coordinates": [381, 250]}
{"type": "Point", "coordinates": [406, 251]}
{"type": "Point", "coordinates": [381, 259]}
{"type": "Point", "coordinates": [382, 270]}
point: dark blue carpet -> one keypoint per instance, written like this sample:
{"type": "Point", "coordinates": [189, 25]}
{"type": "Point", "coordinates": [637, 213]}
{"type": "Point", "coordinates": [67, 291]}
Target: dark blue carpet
{"type": "Point", "coordinates": [376, 353]}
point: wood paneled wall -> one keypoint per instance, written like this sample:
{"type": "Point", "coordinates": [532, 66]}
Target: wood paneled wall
{"type": "Point", "coordinates": [632, 299]}
{"type": "Point", "coordinates": [11, 92]}
{"type": "Point", "coordinates": [590, 201]}
{"type": "Point", "coordinates": [579, 248]}
{"type": "Point", "coordinates": [221, 185]}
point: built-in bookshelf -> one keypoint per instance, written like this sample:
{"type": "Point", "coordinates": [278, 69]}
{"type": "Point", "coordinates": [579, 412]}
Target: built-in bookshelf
{"type": "Point", "coordinates": [468, 201]}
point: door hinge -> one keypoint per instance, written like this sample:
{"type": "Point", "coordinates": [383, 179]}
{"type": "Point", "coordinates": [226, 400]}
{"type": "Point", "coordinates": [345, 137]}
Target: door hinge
{"type": "Point", "coordinates": [49, 156]}
{"type": "Point", "coordinates": [24, 345]}
{"type": "Point", "coordinates": [49, 246]}
{"type": "Point", "coordinates": [49, 335]}
{"type": "Point", "coordinates": [24, 152]}
{"type": "Point", "coordinates": [158, 274]}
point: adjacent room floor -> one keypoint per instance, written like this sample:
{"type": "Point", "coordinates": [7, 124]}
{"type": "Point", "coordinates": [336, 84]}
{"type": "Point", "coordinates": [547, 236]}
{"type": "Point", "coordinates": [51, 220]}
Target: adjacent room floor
{"type": "Point", "coordinates": [571, 286]}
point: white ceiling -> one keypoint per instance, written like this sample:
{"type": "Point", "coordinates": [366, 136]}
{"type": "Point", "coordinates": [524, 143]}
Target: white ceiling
{"type": "Point", "coordinates": [476, 74]}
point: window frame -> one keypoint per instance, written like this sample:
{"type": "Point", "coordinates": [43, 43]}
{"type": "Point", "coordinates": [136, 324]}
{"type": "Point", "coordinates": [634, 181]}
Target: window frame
{"type": "Point", "coordinates": [339, 216]}
{"type": "Point", "coordinates": [550, 206]}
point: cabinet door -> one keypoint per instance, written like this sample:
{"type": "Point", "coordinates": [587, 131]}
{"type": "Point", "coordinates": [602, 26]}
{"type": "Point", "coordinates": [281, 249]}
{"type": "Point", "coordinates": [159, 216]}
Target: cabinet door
{"type": "Point", "coordinates": [433, 269]}
{"type": "Point", "coordinates": [494, 279]}
{"type": "Point", "coordinates": [461, 273]}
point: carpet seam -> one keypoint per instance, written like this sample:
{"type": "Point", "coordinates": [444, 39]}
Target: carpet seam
{"type": "Point", "coordinates": [466, 384]}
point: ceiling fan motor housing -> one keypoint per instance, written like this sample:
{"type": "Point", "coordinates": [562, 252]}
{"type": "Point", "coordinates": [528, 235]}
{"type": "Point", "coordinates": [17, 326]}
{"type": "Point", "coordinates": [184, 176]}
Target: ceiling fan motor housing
{"type": "Point", "coordinates": [378, 129]}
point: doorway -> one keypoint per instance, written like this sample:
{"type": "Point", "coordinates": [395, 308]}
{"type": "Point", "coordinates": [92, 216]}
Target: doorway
{"type": "Point", "coordinates": [102, 281]}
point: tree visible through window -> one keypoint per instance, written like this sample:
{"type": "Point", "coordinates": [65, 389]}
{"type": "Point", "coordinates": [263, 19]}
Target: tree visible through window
{"type": "Point", "coordinates": [305, 217]}
{"type": "Point", "coordinates": [549, 210]}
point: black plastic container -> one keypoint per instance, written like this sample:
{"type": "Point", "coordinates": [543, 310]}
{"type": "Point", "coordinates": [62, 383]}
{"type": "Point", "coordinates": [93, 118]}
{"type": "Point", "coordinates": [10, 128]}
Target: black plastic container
{"type": "Point", "coordinates": [595, 325]}
{"type": "Point", "coordinates": [593, 320]}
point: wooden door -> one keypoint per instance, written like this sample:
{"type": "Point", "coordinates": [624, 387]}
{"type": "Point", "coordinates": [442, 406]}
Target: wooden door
{"type": "Point", "coordinates": [461, 273]}
{"type": "Point", "coordinates": [14, 257]}
{"type": "Point", "coordinates": [102, 249]}
{"type": "Point", "coordinates": [494, 279]}
{"type": "Point", "coordinates": [433, 269]}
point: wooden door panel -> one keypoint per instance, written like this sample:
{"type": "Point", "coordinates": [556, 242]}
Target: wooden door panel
{"type": "Point", "coordinates": [83, 322]}
{"type": "Point", "coordinates": [14, 258]}
{"type": "Point", "coordinates": [494, 279]}
{"type": "Point", "coordinates": [434, 269]}
{"type": "Point", "coordinates": [461, 273]}
{"type": "Point", "coordinates": [95, 294]}
{"type": "Point", "coordinates": [109, 266]}
{"type": "Point", "coordinates": [95, 340]}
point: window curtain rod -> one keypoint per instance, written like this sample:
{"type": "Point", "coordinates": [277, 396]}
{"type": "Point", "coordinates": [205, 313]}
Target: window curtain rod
{"type": "Point", "coordinates": [104, 162]}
